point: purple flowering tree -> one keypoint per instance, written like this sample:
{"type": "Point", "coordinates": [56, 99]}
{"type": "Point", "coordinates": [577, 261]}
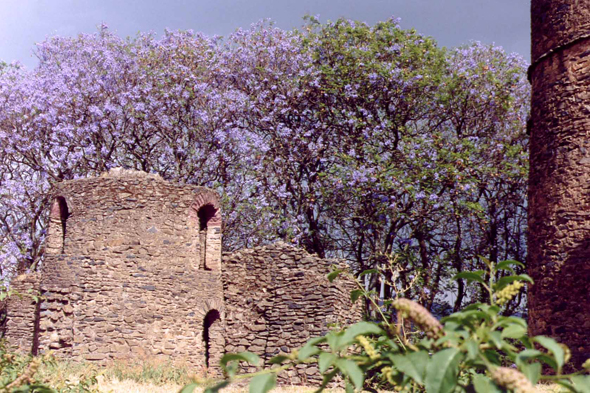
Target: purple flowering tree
{"type": "Point", "coordinates": [353, 141]}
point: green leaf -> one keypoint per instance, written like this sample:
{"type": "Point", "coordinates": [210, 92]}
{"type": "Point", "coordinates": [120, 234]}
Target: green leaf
{"type": "Point", "coordinates": [241, 357]}
{"type": "Point", "coordinates": [354, 295]}
{"type": "Point", "coordinates": [471, 276]}
{"type": "Point", "coordinates": [369, 271]}
{"type": "Point", "coordinates": [326, 359]}
{"type": "Point", "coordinates": [472, 350]}
{"type": "Point", "coordinates": [352, 371]}
{"type": "Point", "coordinates": [442, 370]}
{"type": "Point", "coordinates": [532, 372]}
{"type": "Point", "coordinates": [279, 359]}
{"type": "Point", "coordinates": [496, 339]}
{"type": "Point", "coordinates": [552, 346]}
{"type": "Point", "coordinates": [567, 384]}
{"type": "Point", "coordinates": [327, 378]}
{"type": "Point", "coordinates": [310, 349]}
{"type": "Point", "coordinates": [501, 283]}
{"type": "Point", "coordinates": [486, 261]}
{"type": "Point", "coordinates": [527, 355]}
{"type": "Point", "coordinates": [213, 389]}
{"type": "Point", "coordinates": [189, 388]}
{"type": "Point", "coordinates": [506, 265]}
{"type": "Point", "coordinates": [263, 383]}
{"type": "Point", "coordinates": [483, 384]}
{"type": "Point", "coordinates": [349, 388]}
{"type": "Point", "coordinates": [514, 331]}
{"type": "Point", "coordinates": [413, 364]}
{"type": "Point", "coordinates": [581, 383]}
{"type": "Point", "coordinates": [332, 275]}
{"type": "Point", "coordinates": [360, 328]}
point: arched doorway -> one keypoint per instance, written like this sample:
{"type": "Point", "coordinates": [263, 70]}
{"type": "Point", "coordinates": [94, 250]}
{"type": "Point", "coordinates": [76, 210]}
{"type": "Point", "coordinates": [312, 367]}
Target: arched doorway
{"type": "Point", "coordinates": [213, 341]}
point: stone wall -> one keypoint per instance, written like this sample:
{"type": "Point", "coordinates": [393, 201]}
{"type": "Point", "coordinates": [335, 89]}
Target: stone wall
{"type": "Point", "coordinates": [278, 297]}
{"type": "Point", "coordinates": [132, 269]}
{"type": "Point", "coordinates": [22, 311]}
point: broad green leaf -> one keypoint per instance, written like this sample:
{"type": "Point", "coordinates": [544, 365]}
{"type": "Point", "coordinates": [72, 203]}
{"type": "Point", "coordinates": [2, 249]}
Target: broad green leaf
{"type": "Point", "coordinates": [472, 350]}
{"type": "Point", "coordinates": [552, 346]}
{"type": "Point", "coordinates": [327, 378]}
{"type": "Point", "coordinates": [483, 384]}
{"type": "Point", "coordinates": [581, 383]}
{"type": "Point", "coordinates": [507, 321]}
{"type": "Point", "coordinates": [368, 271]}
{"type": "Point", "coordinates": [532, 372]}
{"type": "Point", "coordinates": [242, 357]}
{"type": "Point", "coordinates": [352, 371]}
{"type": "Point", "coordinates": [413, 364]}
{"type": "Point", "coordinates": [354, 295]}
{"type": "Point", "coordinates": [506, 265]}
{"type": "Point", "coordinates": [310, 349]}
{"type": "Point", "coordinates": [567, 384]}
{"type": "Point", "coordinates": [470, 276]}
{"type": "Point", "coordinates": [504, 281]}
{"type": "Point", "coordinates": [496, 339]}
{"type": "Point", "coordinates": [360, 328]}
{"type": "Point", "coordinates": [263, 383]}
{"type": "Point", "coordinates": [189, 388]}
{"type": "Point", "coordinates": [213, 389]}
{"type": "Point", "coordinates": [493, 357]}
{"type": "Point", "coordinates": [326, 359]}
{"type": "Point", "coordinates": [442, 370]}
{"type": "Point", "coordinates": [332, 275]}
{"type": "Point", "coordinates": [349, 388]}
{"type": "Point", "coordinates": [514, 331]}
{"type": "Point", "coordinates": [527, 355]}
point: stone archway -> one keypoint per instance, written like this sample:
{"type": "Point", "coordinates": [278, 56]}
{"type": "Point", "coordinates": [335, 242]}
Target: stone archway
{"type": "Point", "coordinates": [205, 216]}
{"type": "Point", "coordinates": [213, 334]}
{"type": "Point", "coordinates": [212, 337]}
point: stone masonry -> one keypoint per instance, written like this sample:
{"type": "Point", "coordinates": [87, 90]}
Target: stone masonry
{"type": "Point", "coordinates": [133, 270]}
{"type": "Point", "coordinates": [559, 181]}
{"type": "Point", "coordinates": [277, 298]}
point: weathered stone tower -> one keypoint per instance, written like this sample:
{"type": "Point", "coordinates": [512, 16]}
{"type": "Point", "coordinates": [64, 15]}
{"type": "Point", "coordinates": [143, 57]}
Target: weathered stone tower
{"type": "Point", "coordinates": [559, 184]}
{"type": "Point", "coordinates": [132, 269]}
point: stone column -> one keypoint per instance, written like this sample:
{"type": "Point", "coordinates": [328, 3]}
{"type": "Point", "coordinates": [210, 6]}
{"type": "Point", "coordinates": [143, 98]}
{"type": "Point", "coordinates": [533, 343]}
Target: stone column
{"type": "Point", "coordinates": [559, 182]}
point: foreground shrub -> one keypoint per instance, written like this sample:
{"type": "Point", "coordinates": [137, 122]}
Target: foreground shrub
{"type": "Point", "coordinates": [474, 350]}
{"type": "Point", "coordinates": [43, 374]}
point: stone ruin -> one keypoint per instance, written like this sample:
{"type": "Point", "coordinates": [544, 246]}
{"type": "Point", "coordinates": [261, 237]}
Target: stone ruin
{"type": "Point", "coordinates": [133, 269]}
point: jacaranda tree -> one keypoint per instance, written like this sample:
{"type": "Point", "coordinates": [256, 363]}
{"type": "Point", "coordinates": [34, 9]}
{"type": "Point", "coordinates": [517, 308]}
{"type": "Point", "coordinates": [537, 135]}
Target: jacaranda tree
{"type": "Point", "coordinates": [362, 142]}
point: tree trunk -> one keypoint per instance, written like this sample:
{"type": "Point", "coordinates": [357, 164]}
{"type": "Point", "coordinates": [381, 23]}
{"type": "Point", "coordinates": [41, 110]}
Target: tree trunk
{"type": "Point", "coordinates": [559, 182]}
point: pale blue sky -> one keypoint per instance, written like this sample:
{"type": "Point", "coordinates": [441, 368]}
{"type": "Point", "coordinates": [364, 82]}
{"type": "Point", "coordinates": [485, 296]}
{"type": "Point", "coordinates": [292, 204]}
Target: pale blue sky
{"type": "Point", "coordinates": [450, 22]}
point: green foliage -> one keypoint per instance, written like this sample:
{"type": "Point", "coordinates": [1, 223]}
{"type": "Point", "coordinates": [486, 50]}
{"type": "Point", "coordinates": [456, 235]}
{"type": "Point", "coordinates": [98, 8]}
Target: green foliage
{"type": "Point", "coordinates": [477, 349]}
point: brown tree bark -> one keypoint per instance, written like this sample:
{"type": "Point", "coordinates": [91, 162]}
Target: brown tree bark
{"type": "Point", "coordinates": [559, 182]}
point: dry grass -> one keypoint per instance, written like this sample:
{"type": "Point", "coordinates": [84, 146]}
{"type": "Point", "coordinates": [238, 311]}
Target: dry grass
{"type": "Point", "coordinates": [150, 377]}
{"type": "Point", "coordinates": [127, 386]}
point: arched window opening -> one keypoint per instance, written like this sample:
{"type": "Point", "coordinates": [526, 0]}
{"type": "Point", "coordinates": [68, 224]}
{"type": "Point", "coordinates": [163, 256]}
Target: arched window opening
{"type": "Point", "coordinates": [205, 214]}
{"type": "Point", "coordinates": [58, 224]}
{"type": "Point", "coordinates": [212, 320]}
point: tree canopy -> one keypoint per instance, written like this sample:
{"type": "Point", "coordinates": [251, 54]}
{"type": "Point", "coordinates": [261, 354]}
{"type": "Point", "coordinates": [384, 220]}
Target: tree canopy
{"type": "Point", "coordinates": [361, 142]}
